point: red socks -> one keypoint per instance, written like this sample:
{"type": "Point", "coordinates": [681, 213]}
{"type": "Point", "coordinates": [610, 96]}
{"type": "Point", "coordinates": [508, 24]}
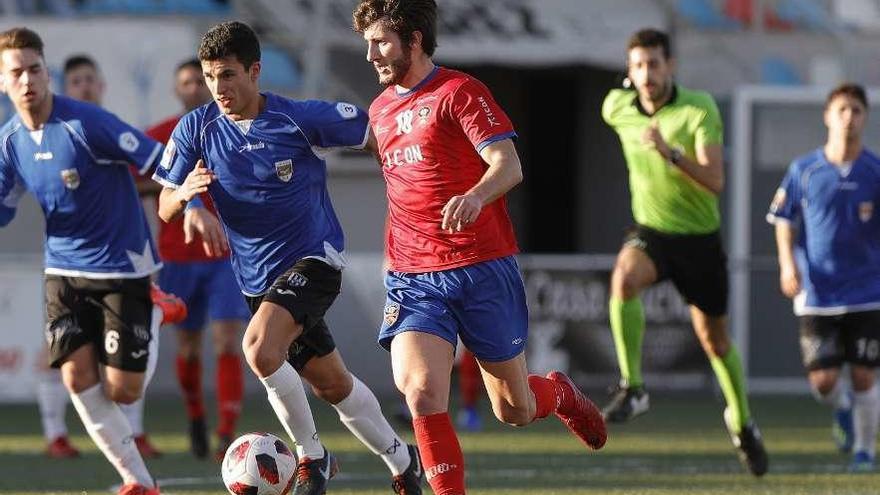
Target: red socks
{"type": "Point", "coordinates": [469, 380]}
{"type": "Point", "coordinates": [230, 386]}
{"type": "Point", "coordinates": [441, 453]}
{"type": "Point", "coordinates": [189, 375]}
{"type": "Point", "coordinates": [548, 396]}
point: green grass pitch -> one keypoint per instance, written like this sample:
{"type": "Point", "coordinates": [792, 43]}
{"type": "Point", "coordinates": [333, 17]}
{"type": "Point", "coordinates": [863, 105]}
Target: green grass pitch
{"type": "Point", "coordinates": [679, 447]}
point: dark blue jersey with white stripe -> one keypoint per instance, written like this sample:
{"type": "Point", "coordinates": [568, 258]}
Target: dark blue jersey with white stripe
{"type": "Point", "coordinates": [834, 209]}
{"type": "Point", "coordinates": [271, 180]}
{"type": "Point", "coordinates": [77, 167]}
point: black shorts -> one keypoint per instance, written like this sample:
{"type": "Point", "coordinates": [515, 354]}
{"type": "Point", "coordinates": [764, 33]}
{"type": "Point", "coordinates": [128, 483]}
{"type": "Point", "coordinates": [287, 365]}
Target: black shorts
{"type": "Point", "coordinates": [830, 341]}
{"type": "Point", "coordinates": [306, 290]}
{"type": "Point", "coordinates": [696, 264]}
{"type": "Point", "coordinates": [113, 314]}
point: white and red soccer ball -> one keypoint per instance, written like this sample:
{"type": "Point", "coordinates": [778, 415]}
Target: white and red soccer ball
{"type": "Point", "coordinates": [258, 464]}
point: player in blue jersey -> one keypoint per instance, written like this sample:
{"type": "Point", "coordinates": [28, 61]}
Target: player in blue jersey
{"type": "Point", "coordinates": [258, 155]}
{"type": "Point", "coordinates": [73, 157]}
{"type": "Point", "coordinates": [828, 239]}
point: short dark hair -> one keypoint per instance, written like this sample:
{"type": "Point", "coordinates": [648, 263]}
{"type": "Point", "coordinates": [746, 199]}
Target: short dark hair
{"type": "Point", "coordinates": [76, 61]}
{"type": "Point", "coordinates": [231, 39]}
{"type": "Point", "coordinates": [19, 38]}
{"type": "Point", "coordinates": [650, 38]}
{"type": "Point", "coordinates": [849, 89]}
{"type": "Point", "coordinates": [192, 63]}
{"type": "Point", "coordinates": [404, 17]}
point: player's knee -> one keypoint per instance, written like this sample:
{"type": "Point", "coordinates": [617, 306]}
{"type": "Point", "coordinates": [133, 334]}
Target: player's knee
{"type": "Point", "coordinates": [623, 284]}
{"type": "Point", "coordinates": [513, 414]}
{"type": "Point", "coordinates": [823, 382]}
{"type": "Point", "coordinates": [262, 359]}
{"type": "Point", "coordinates": [333, 390]}
{"type": "Point", "coordinates": [125, 393]}
{"type": "Point", "coordinates": [421, 397]}
{"type": "Point", "coordinates": [77, 381]}
{"type": "Point", "coordinates": [862, 378]}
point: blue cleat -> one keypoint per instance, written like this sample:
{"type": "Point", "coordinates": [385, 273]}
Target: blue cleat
{"type": "Point", "coordinates": [469, 419]}
{"type": "Point", "coordinates": [862, 462]}
{"type": "Point", "coordinates": [842, 430]}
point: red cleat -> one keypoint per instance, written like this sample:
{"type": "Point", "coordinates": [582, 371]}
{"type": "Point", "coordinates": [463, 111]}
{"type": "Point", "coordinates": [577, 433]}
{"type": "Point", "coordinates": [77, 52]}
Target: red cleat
{"type": "Point", "coordinates": [579, 414]}
{"type": "Point", "coordinates": [137, 489]}
{"type": "Point", "coordinates": [60, 448]}
{"type": "Point", "coordinates": [173, 308]}
{"type": "Point", "coordinates": [147, 450]}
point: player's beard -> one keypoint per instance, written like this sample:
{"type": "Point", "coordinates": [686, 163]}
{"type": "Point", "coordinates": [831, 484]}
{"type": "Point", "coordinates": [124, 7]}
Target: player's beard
{"type": "Point", "coordinates": [399, 68]}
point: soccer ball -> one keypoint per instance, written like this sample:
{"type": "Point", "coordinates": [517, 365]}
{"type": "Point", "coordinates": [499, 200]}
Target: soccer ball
{"type": "Point", "coordinates": [258, 464]}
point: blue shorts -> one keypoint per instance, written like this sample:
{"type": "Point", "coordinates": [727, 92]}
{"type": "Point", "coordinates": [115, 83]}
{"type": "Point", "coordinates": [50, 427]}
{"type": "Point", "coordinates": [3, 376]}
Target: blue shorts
{"type": "Point", "coordinates": [484, 304]}
{"type": "Point", "coordinates": [208, 288]}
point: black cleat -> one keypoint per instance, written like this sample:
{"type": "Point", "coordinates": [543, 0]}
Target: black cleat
{"type": "Point", "coordinates": [626, 404]}
{"type": "Point", "coordinates": [749, 446]}
{"type": "Point", "coordinates": [312, 475]}
{"type": "Point", "coordinates": [410, 481]}
{"type": "Point", "coordinates": [198, 438]}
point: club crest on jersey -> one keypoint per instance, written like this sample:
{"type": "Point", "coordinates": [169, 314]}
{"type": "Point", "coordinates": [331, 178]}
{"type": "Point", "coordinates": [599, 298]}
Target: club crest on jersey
{"type": "Point", "coordinates": [128, 142]}
{"type": "Point", "coordinates": [866, 210]}
{"type": "Point", "coordinates": [346, 110]}
{"type": "Point", "coordinates": [392, 311]}
{"type": "Point", "coordinates": [423, 113]}
{"type": "Point", "coordinates": [70, 177]}
{"type": "Point", "coordinates": [284, 170]}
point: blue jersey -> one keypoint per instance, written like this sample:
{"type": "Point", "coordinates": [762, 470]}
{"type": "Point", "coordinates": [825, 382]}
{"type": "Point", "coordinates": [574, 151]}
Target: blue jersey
{"type": "Point", "coordinates": [271, 180]}
{"type": "Point", "coordinates": [834, 210]}
{"type": "Point", "coordinates": [77, 167]}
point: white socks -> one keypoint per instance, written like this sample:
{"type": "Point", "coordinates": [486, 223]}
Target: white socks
{"type": "Point", "coordinates": [135, 411]}
{"type": "Point", "coordinates": [866, 415]}
{"type": "Point", "coordinates": [52, 400]}
{"type": "Point", "coordinates": [287, 396]}
{"type": "Point", "coordinates": [110, 431]}
{"type": "Point", "coordinates": [838, 397]}
{"type": "Point", "coordinates": [361, 414]}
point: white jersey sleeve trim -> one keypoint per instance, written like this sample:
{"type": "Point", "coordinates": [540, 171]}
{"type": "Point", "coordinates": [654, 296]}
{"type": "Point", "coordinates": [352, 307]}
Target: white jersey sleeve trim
{"type": "Point", "coordinates": [776, 219]}
{"type": "Point", "coordinates": [147, 166]}
{"type": "Point", "coordinates": [165, 182]}
{"type": "Point", "coordinates": [802, 310]}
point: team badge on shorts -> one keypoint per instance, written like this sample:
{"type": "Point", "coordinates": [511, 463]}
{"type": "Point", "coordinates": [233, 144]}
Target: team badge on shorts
{"type": "Point", "coordinates": [297, 279]}
{"type": "Point", "coordinates": [866, 210]}
{"type": "Point", "coordinates": [70, 176]}
{"type": "Point", "coordinates": [392, 311]}
{"type": "Point", "coordinates": [284, 170]}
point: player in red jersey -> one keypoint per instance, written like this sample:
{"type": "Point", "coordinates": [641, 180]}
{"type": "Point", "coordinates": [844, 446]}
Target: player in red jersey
{"type": "Point", "coordinates": [448, 158]}
{"type": "Point", "coordinates": [198, 270]}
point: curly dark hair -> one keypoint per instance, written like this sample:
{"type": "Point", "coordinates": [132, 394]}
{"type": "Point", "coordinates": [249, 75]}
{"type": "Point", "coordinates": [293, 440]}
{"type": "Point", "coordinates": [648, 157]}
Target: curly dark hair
{"type": "Point", "coordinates": [404, 17]}
{"type": "Point", "coordinates": [231, 39]}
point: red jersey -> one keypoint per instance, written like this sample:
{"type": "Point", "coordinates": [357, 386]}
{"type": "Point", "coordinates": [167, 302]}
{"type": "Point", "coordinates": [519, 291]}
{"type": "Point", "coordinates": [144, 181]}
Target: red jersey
{"type": "Point", "coordinates": [171, 240]}
{"type": "Point", "coordinates": [429, 141]}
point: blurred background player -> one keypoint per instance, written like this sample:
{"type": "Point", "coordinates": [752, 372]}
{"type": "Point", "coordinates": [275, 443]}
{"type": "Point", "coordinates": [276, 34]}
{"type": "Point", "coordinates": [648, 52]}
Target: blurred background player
{"type": "Point", "coordinates": [82, 81]}
{"type": "Point", "coordinates": [828, 241]}
{"type": "Point", "coordinates": [255, 152]}
{"type": "Point", "coordinates": [200, 273]}
{"type": "Point", "coordinates": [470, 386]}
{"type": "Point", "coordinates": [448, 158]}
{"type": "Point", "coordinates": [102, 328]}
{"type": "Point", "coordinates": [671, 139]}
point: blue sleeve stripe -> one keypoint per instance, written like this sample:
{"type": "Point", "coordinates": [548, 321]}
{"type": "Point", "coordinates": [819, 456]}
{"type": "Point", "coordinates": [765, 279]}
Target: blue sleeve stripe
{"type": "Point", "coordinates": [165, 182]}
{"type": "Point", "coordinates": [495, 139]}
{"type": "Point", "coordinates": [149, 163]}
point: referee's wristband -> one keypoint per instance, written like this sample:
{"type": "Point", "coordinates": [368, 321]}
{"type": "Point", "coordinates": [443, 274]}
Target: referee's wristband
{"type": "Point", "coordinates": [196, 202]}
